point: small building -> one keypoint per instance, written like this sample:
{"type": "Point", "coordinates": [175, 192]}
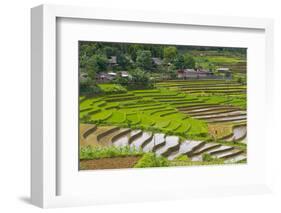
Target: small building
{"type": "Point", "coordinates": [112, 73]}
{"type": "Point", "coordinates": [124, 74]}
{"type": "Point", "coordinates": [157, 61]}
{"type": "Point", "coordinates": [112, 61]}
{"type": "Point", "coordinates": [83, 76]}
{"type": "Point", "coordinates": [192, 73]}
{"type": "Point", "coordinates": [105, 77]}
{"type": "Point", "coordinates": [225, 71]}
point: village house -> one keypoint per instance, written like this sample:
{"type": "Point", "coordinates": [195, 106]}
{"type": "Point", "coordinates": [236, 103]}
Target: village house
{"type": "Point", "coordinates": [225, 71]}
{"type": "Point", "coordinates": [109, 76]}
{"type": "Point", "coordinates": [112, 61]}
{"type": "Point", "coordinates": [157, 61]}
{"type": "Point", "coordinates": [103, 77]}
{"type": "Point", "coordinates": [192, 73]}
{"type": "Point", "coordinates": [123, 74]}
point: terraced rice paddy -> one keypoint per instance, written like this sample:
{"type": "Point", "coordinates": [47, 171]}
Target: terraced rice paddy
{"type": "Point", "coordinates": [163, 145]}
{"type": "Point", "coordinates": [176, 118]}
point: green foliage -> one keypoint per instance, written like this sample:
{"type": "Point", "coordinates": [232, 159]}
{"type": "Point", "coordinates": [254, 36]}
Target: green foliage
{"type": "Point", "coordinates": [88, 86]}
{"type": "Point", "coordinates": [90, 153]}
{"type": "Point", "coordinates": [109, 51]}
{"type": "Point", "coordinates": [127, 55]}
{"type": "Point", "coordinates": [209, 158]}
{"type": "Point", "coordinates": [147, 112]}
{"type": "Point", "coordinates": [123, 61]}
{"type": "Point", "coordinates": [182, 158]}
{"type": "Point", "coordinates": [112, 88]}
{"type": "Point", "coordinates": [169, 71]}
{"type": "Point", "coordinates": [96, 63]}
{"type": "Point", "coordinates": [143, 60]}
{"type": "Point", "coordinates": [139, 79]}
{"type": "Point", "coordinates": [223, 59]}
{"type": "Point", "coordinates": [189, 61]}
{"type": "Point", "coordinates": [172, 72]}
{"type": "Point", "coordinates": [170, 53]}
{"type": "Point", "coordinates": [151, 160]}
{"type": "Point", "coordinates": [122, 81]}
{"type": "Point", "coordinates": [179, 62]}
{"type": "Point", "coordinates": [240, 80]}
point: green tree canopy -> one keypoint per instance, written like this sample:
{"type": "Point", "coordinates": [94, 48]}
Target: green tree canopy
{"type": "Point", "coordinates": [97, 63]}
{"type": "Point", "coordinates": [123, 61]}
{"type": "Point", "coordinates": [179, 62]}
{"type": "Point", "coordinates": [109, 51]}
{"type": "Point", "coordinates": [144, 60]}
{"type": "Point", "coordinates": [189, 61]}
{"type": "Point", "coordinates": [140, 79]}
{"type": "Point", "coordinates": [170, 53]}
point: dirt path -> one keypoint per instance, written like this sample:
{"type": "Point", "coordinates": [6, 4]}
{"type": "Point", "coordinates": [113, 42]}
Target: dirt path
{"type": "Point", "coordinates": [109, 163]}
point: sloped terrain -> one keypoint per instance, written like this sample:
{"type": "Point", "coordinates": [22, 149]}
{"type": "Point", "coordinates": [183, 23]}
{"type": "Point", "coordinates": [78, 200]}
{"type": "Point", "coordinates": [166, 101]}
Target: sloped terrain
{"type": "Point", "coordinates": [167, 146]}
{"type": "Point", "coordinates": [195, 119]}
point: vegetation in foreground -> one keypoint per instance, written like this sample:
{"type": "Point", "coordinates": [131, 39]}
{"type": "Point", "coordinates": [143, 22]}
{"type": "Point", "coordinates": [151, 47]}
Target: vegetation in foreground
{"type": "Point", "coordinates": [146, 159]}
{"type": "Point", "coordinates": [90, 153]}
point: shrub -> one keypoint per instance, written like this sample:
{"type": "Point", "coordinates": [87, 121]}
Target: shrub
{"type": "Point", "coordinates": [209, 158]}
{"type": "Point", "coordinates": [151, 160]}
{"type": "Point", "coordinates": [89, 153]}
{"type": "Point", "coordinates": [182, 158]}
{"type": "Point", "coordinates": [112, 88]}
{"type": "Point", "coordinates": [240, 80]}
{"type": "Point", "coordinates": [138, 79]}
{"type": "Point", "coordinates": [88, 87]}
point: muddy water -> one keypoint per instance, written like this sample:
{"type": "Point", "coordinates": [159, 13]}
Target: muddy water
{"type": "Point", "coordinates": [236, 158]}
{"type": "Point", "coordinates": [171, 141]}
{"type": "Point", "coordinates": [242, 117]}
{"type": "Point", "coordinates": [185, 147]}
{"type": "Point", "coordinates": [92, 138]}
{"type": "Point", "coordinates": [139, 141]}
{"type": "Point", "coordinates": [124, 140]}
{"type": "Point", "coordinates": [206, 109]}
{"type": "Point", "coordinates": [220, 114]}
{"type": "Point", "coordinates": [168, 146]}
{"type": "Point", "coordinates": [239, 132]}
{"type": "Point", "coordinates": [157, 140]}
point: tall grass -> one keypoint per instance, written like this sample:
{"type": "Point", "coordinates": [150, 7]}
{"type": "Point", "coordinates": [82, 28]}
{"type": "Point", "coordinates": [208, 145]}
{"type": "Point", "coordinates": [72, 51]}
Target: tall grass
{"type": "Point", "coordinates": [151, 160]}
{"type": "Point", "coordinates": [90, 153]}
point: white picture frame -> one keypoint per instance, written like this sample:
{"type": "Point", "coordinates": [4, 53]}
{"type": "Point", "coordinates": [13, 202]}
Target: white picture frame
{"type": "Point", "coordinates": [44, 150]}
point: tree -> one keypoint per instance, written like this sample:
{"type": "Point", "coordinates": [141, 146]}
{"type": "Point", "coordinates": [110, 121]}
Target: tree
{"type": "Point", "coordinates": [189, 61]}
{"type": "Point", "coordinates": [97, 63]}
{"type": "Point", "coordinates": [109, 51]}
{"type": "Point", "coordinates": [179, 62]}
{"type": "Point", "coordinates": [88, 86]}
{"type": "Point", "coordinates": [140, 79]}
{"type": "Point", "coordinates": [211, 67]}
{"type": "Point", "coordinates": [144, 60]}
{"type": "Point", "coordinates": [123, 61]}
{"type": "Point", "coordinates": [171, 71]}
{"type": "Point", "coordinates": [170, 54]}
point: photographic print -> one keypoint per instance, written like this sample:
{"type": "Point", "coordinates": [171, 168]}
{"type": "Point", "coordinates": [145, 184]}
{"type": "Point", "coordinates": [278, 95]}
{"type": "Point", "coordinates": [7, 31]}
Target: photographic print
{"type": "Point", "coordinates": [152, 105]}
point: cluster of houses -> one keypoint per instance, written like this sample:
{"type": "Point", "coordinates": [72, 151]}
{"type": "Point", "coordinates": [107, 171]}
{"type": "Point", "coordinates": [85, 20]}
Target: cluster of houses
{"type": "Point", "coordinates": [109, 76]}
{"type": "Point", "coordinates": [222, 73]}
